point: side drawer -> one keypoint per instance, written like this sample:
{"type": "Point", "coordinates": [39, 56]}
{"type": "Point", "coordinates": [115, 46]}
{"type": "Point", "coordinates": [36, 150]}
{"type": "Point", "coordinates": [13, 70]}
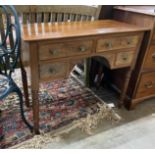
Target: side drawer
{"type": "Point", "coordinates": [150, 58]}
{"type": "Point", "coordinates": [124, 58]}
{"type": "Point", "coordinates": [53, 70]}
{"type": "Point", "coordinates": [49, 51]}
{"type": "Point", "coordinates": [117, 43]}
{"type": "Point", "coordinates": [146, 85]}
{"type": "Point", "coordinates": [70, 48]}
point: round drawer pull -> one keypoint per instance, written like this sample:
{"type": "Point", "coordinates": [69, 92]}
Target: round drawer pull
{"type": "Point", "coordinates": [53, 52]}
{"type": "Point", "coordinates": [129, 41]}
{"type": "Point", "coordinates": [153, 57]}
{"type": "Point", "coordinates": [52, 70]}
{"type": "Point", "coordinates": [108, 44]}
{"type": "Point", "coordinates": [149, 84]}
{"type": "Point", "coordinates": [82, 49]}
{"type": "Point", "coordinates": [125, 58]}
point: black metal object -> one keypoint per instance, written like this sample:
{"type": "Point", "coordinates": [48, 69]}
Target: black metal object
{"type": "Point", "coordinates": [10, 46]}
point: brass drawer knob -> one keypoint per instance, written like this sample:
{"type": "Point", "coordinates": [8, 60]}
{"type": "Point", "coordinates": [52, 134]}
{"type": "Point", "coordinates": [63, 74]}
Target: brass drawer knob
{"type": "Point", "coordinates": [53, 52]}
{"type": "Point", "coordinates": [82, 49]}
{"type": "Point", "coordinates": [108, 44]}
{"type": "Point", "coordinates": [52, 70]}
{"type": "Point", "coordinates": [125, 58]}
{"type": "Point", "coordinates": [149, 84]}
{"type": "Point", "coordinates": [129, 42]}
{"type": "Point", "coordinates": [153, 57]}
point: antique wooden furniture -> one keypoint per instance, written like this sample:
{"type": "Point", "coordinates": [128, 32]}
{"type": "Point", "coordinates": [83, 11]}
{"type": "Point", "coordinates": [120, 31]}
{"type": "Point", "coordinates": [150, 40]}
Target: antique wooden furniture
{"type": "Point", "coordinates": [10, 49]}
{"type": "Point", "coordinates": [53, 49]}
{"type": "Point", "coordinates": [142, 85]}
{"type": "Point", "coordinates": [56, 14]}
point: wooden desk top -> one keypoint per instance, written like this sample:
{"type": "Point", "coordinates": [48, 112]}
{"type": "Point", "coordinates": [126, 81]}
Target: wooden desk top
{"type": "Point", "coordinates": [45, 31]}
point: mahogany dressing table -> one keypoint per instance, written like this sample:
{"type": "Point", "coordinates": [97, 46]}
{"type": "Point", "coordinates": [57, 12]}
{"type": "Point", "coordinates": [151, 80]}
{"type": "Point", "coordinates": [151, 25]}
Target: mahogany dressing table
{"type": "Point", "coordinates": [53, 49]}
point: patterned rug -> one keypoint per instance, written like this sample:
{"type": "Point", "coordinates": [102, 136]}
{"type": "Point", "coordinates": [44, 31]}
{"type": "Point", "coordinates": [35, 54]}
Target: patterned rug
{"type": "Point", "coordinates": [61, 103]}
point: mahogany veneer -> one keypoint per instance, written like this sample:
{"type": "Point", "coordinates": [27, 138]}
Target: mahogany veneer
{"type": "Point", "coordinates": [142, 85]}
{"type": "Point", "coordinates": [54, 48]}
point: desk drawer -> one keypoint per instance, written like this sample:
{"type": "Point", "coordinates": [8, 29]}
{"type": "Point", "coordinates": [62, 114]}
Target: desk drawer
{"type": "Point", "coordinates": [146, 85]}
{"type": "Point", "coordinates": [79, 47]}
{"type": "Point", "coordinates": [53, 70]}
{"type": "Point", "coordinates": [117, 43]}
{"type": "Point", "coordinates": [58, 50]}
{"type": "Point", "coordinates": [124, 58]}
{"type": "Point", "coordinates": [50, 51]}
{"type": "Point", "coordinates": [150, 58]}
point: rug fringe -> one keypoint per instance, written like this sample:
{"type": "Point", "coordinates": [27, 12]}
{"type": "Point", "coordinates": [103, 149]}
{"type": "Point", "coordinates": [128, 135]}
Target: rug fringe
{"type": "Point", "coordinates": [92, 121]}
{"type": "Point", "coordinates": [86, 124]}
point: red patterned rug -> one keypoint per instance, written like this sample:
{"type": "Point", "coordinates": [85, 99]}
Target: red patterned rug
{"type": "Point", "coordinates": [61, 102]}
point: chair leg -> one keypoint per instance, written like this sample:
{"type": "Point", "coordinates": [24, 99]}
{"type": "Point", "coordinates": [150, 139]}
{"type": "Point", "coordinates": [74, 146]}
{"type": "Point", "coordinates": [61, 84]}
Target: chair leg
{"type": "Point", "coordinates": [1, 129]}
{"type": "Point", "coordinates": [25, 86]}
{"type": "Point", "coordinates": [22, 110]}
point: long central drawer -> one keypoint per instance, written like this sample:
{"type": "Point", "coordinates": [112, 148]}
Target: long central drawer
{"type": "Point", "coordinates": [59, 50]}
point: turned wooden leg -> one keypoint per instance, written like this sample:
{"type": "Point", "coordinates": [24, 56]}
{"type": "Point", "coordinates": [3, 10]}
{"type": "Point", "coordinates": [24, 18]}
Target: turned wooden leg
{"type": "Point", "coordinates": [125, 87]}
